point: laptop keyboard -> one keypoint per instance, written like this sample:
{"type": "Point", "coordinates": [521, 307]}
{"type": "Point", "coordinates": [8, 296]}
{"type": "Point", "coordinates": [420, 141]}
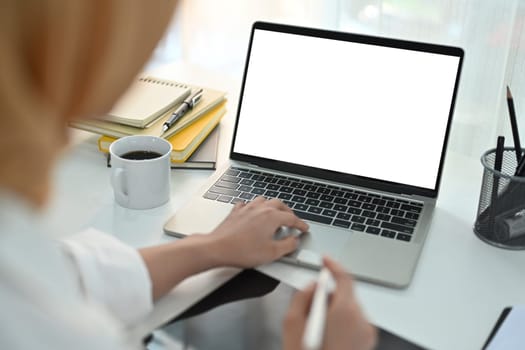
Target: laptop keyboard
{"type": "Point", "coordinates": [357, 210]}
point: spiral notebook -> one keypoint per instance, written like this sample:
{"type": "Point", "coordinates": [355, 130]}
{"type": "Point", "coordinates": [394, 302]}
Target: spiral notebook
{"type": "Point", "coordinates": [147, 99]}
{"type": "Point", "coordinates": [210, 99]}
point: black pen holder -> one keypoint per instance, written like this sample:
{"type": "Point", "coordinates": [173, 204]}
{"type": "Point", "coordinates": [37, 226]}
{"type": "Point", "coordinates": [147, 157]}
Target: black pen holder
{"type": "Point", "coordinates": [501, 211]}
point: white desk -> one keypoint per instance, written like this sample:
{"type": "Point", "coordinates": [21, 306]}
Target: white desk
{"type": "Point", "coordinates": [460, 286]}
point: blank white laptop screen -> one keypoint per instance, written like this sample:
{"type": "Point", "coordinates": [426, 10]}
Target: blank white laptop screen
{"type": "Point", "coordinates": [354, 108]}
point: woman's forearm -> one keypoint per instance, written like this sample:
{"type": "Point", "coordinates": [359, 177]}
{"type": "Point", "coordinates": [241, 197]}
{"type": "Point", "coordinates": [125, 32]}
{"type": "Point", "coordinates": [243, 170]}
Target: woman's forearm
{"type": "Point", "coordinates": [169, 264]}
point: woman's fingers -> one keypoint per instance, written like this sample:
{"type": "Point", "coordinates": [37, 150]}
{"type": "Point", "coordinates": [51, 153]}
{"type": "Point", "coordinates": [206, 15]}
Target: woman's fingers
{"type": "Point", "coordinates": [342, 279]}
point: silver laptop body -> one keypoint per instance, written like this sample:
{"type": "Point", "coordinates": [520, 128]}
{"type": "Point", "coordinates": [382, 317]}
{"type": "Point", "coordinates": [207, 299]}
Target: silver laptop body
{"type": "Point", "coordinates": [348, 130]}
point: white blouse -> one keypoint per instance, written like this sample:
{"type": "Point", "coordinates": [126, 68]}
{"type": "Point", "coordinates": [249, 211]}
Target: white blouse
{"type": "Point", "coordinates": [80, 293]}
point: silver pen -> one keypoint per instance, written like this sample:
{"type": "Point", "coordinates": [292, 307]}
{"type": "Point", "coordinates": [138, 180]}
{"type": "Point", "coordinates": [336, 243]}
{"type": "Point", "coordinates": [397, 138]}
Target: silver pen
{"type": "Point", "coordinates": [184, 107]}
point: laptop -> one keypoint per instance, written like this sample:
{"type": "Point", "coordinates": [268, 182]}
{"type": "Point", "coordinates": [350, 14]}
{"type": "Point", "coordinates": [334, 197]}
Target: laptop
{"type": "Point", "coordinates": [350, 131]}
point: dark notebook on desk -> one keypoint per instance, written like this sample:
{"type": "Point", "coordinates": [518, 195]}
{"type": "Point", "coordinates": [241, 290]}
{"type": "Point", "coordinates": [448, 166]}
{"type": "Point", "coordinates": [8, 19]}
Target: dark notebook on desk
{"type": "Point", "coordinates": [348, 130]}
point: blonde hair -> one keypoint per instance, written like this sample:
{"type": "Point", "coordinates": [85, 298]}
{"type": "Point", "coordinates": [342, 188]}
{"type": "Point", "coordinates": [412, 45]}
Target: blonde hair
{"type": "Point", "coordinates": [61, 60]}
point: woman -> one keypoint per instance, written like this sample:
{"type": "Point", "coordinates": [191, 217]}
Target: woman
{"type": "Point", "coordinates": [72, 59]}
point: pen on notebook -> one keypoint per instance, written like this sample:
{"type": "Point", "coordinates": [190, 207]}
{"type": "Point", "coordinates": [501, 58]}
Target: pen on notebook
{"type": "Point", "coordinates": [514, 125]}
{"type": "Point", "coordinates": [315, 324]}
{"type": "Point", "coordinates": [184, 107]}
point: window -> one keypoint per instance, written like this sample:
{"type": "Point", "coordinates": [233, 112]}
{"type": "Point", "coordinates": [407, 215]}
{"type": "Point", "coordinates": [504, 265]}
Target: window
{"type": "Point", "coordinates": [214, 34]}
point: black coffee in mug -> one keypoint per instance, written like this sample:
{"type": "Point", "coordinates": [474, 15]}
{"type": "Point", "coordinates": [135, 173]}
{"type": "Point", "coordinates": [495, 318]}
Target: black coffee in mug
{"type": "Point", "coordinates": [141, 155]}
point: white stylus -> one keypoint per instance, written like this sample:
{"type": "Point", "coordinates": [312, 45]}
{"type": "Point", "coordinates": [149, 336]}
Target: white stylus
{"type": "Point", "coordinates": [314, 330]}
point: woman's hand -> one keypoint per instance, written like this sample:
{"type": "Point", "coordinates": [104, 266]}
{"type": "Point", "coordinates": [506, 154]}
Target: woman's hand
{"type": "Point", "coordinates": [345, 327]}
{"type": "Point", "coordinates": [246, 237]}
{"type": "Point", "coordinates": [243, 239]}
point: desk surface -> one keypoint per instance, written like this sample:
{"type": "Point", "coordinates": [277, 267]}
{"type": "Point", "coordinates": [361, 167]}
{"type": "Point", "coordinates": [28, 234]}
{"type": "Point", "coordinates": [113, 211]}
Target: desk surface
{"type": "Point", "coordinates": [460, 286]}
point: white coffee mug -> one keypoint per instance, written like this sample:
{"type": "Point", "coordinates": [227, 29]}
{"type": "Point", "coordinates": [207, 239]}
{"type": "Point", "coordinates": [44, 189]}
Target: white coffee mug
{"type": "Point", "coordinates": [140, 171]}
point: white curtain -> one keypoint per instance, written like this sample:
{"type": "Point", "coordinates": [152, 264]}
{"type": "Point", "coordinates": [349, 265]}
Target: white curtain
{"type": "Point", "coordinates": [214, 34]}
{"type": "Point", "coordinates": [489, 31]}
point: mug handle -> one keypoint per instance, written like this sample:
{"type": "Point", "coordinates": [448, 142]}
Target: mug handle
{"type": "Point", "coordinates": [117, 182]}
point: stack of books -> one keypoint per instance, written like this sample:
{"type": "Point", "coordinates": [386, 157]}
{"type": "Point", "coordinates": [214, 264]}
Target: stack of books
{"type": "Point", "coordinates": [149, 103]}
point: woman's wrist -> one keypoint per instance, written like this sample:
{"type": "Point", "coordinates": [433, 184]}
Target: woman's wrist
{"type": "Point", "coordinates": [211, 250]}
{"type": "Point", "coordinates": [169, 264]}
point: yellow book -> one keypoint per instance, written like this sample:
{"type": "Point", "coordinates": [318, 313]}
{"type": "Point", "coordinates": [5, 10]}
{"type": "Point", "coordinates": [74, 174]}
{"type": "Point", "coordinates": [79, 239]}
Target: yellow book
{"type": "Point", "coordinates": [185, 142]}
{"type": "Point", "coordinates": [210, 99]}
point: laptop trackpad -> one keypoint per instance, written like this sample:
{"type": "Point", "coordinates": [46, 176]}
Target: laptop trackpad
{"type": "Point", "coordinates": [320, 241]}
{"type": "Point", "coordinates": [309, 257]}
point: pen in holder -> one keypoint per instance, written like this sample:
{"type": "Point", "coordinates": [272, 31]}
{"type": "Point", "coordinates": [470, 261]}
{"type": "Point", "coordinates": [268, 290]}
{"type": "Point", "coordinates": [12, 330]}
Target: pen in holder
{"type": "Point", "coordinates": [500, 220]}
